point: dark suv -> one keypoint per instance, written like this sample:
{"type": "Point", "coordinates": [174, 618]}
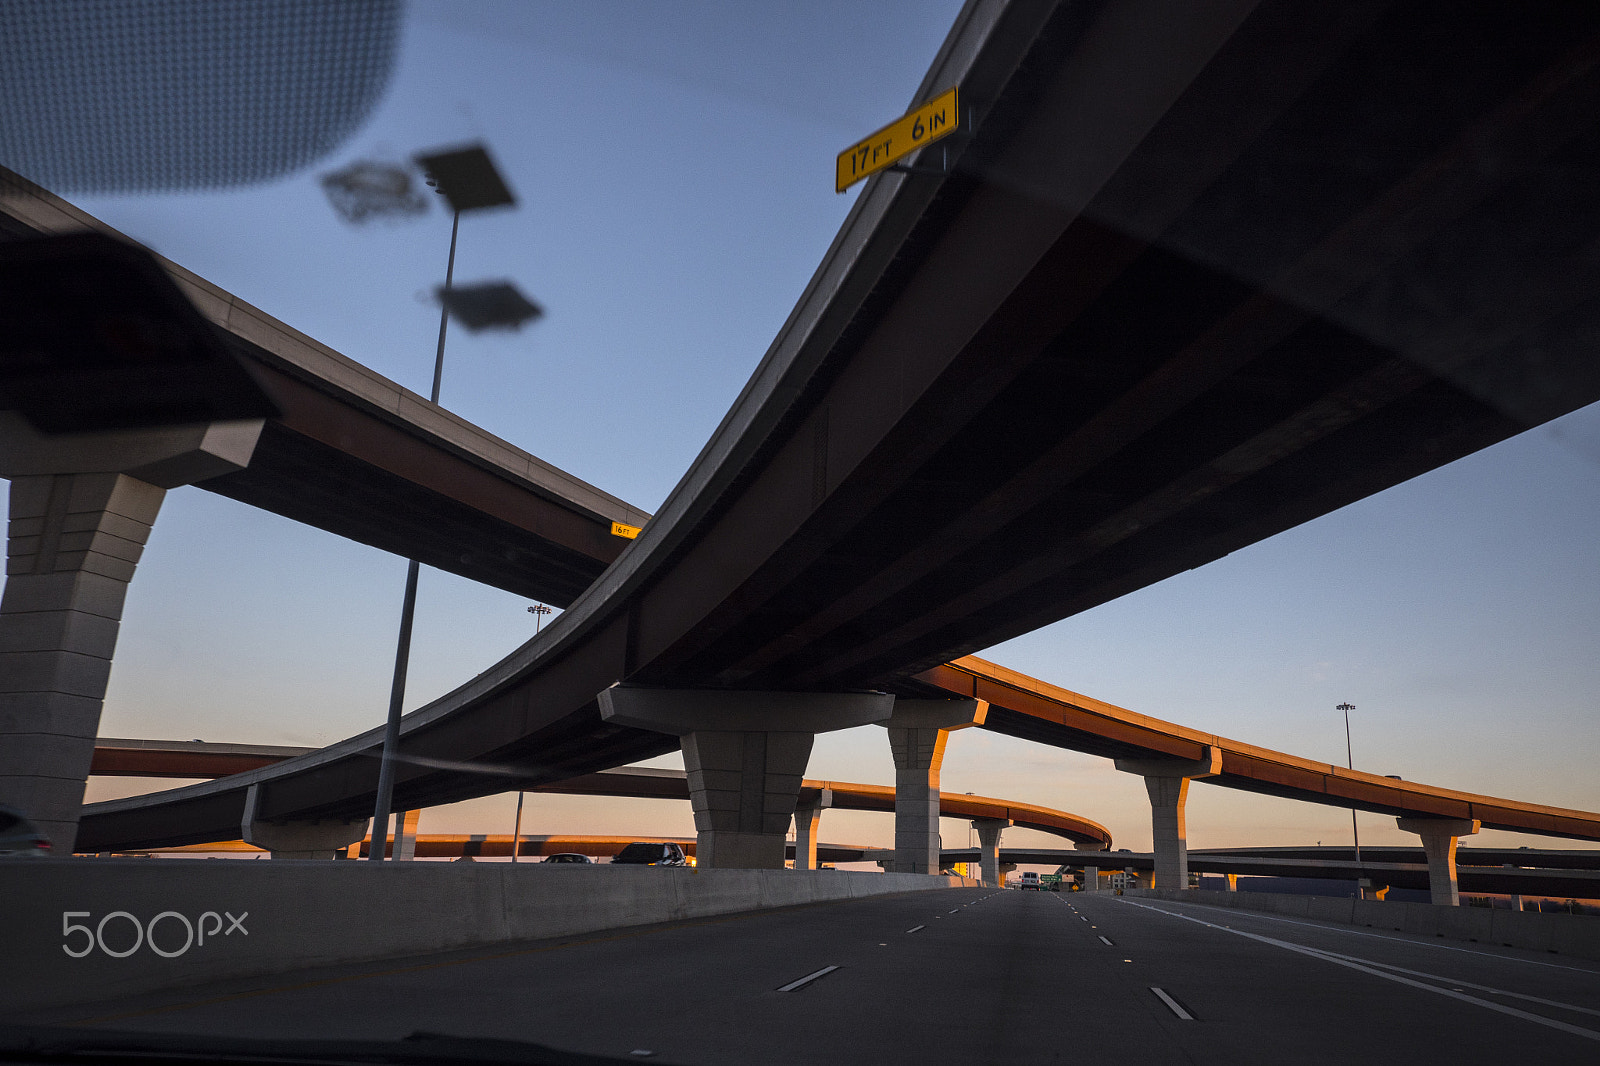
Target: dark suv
{"type": "Point", "coordinates": [642, 854]}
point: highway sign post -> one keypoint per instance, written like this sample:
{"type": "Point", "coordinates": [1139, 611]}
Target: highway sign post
{"type": "Point", "coordinates": [937, 118]}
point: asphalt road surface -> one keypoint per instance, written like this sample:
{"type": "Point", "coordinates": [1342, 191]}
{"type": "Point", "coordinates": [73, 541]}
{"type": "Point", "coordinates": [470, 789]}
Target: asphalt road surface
{"type": "Point", "coordinates": [960, 976]}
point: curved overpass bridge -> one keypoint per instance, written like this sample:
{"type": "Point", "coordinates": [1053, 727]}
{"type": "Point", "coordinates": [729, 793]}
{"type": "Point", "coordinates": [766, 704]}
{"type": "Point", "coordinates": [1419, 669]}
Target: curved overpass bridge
{"type": "Point", "coordinates": [1092, 354]}
{"type": "Point", "coordinates": [191, 759]}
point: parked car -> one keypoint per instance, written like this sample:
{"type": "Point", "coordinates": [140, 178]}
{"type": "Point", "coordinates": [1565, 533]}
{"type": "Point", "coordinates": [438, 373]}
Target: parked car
{"type": "Point", "coordinates": [651, 854]}
{"type": "Point", "coordinates": [567, 856]}
{"type": "Point", "coordinates": [19, 836]}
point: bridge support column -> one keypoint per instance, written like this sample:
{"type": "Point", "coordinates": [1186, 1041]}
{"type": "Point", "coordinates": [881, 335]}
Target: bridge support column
{"type": "Point", "coordinates": [1167, 782]}
{"type": "Point", "coordinates": [989, 830]}
{"type": "Point", "coordinates": [1439, 837]}
{"type": "Point", "coordinates": [298, 840]}
{"type": "Point", "coordinates": [405, 841]}
{"type": "Point", "coordinates": [81, 510]}
{"type": "Point", "coordinates": [1233, 882]}
{"type": "Point", "coordinates": [1367, 888]}
{"type": "Point", "coordinates": [745, 753]}
{"type": "Point", "coordinates": [807, 819]}
{"type": "Point", "coordinates": [918, 731]}
{"type": "Point", "coordinates": [1091, 878]}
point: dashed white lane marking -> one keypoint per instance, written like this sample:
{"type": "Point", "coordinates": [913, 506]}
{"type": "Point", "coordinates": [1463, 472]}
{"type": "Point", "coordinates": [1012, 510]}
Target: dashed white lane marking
{"type": "Point", "coordinates": [953, 911]}
{"type": "Point", "coordinates": [807, 979]}
{"type": "Point", "coordinates": [1107, 943]}
{"type": "Point", "coordinates": [1170, 1002]}
{"type": "Point", "coordinates": [914, 928]}
{"type": "Point", "coordinates": [1364, 967]}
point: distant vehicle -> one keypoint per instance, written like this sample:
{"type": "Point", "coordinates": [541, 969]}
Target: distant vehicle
{"type": "Point", "coordinates": [20, 837]}
{"type": "Point", "coordinates": [567, 856]}
{"type": "Point", "coordinates": [647, 854]}
{"type": "Point", "coordinates": [1028, 882]}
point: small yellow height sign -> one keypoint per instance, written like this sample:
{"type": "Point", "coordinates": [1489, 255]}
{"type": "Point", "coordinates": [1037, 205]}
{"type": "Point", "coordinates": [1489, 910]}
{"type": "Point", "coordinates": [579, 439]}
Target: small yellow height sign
{"type": "Point", "coordinates": [618, 529]}
{"type": "Point", "coordinates": [933, 120]}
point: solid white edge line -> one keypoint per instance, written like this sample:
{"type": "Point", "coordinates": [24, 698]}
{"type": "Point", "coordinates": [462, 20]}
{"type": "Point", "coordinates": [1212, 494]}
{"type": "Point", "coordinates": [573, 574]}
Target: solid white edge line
{"type": "Point", "coordinates": [1346, 930]}
{"type": "Point", "coordinates": [1501, 1008]}
{"type": "Point", "coordinates": [1170, 1002]}
{"type": "Point", "coordinates": [807, 979]}
{"type": "Point", "coordinates": [914, 928]}
{"type": "Point", "coordinates": [1466, 984]}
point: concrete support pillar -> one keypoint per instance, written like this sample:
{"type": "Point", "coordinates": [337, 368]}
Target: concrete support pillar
{"type": "Point", "coordinates": [745, 753]}
{"type": "Point", "coordinates": [81, 510]}
{"type": "Point", "coordinates": [1439, 837]}
{"type": "Point", "coordinates": [73, 543]}
{"type": "Point", "coordinates": [1367, 888]}
{"type": "Point", "coordinates": [1002, 871]}
{"type": "Point", "coordinates": [918, 731]}
{"type": "Point", "coordinates": [807, 820]}
{"type": "Point", "coordinates": [989, 830]}
{"type": "Point", "coordinates": [405, 841]}
{"type": "Point", "coordinates": [1233, 882]}
{"type": "Point", "coordinates": [1516, 898]}
{"type": "Point", "coordinates": [298, 840]}
{"type": "Point", "coordinates": [1091, 878]}
{"type": "Point", "coordinates": [1167, 782]}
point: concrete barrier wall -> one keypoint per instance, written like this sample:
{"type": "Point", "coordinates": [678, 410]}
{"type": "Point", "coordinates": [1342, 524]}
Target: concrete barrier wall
{"type": "Point", "coordinates": [1563, 934]}
{"type": "Point", "coordinates": [86, 930]}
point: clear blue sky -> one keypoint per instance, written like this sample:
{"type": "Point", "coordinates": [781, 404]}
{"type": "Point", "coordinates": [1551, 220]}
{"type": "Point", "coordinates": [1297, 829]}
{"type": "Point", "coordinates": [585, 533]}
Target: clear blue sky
{"type": "Point", "coordinates": [673, 163]}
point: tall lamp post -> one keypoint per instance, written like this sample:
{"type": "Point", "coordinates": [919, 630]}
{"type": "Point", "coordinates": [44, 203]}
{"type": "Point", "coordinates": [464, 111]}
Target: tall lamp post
{"type": "Point", "coordinates": [1351, 760]}
{"type": "Point", "coordinates": [538, 610]}
{"type": "Point", "coordinates": [468, 180]}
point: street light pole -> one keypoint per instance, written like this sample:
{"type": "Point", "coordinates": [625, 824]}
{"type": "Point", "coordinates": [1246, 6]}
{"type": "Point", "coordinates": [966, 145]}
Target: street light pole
{"type": "Point", "coordinates": [516, 832]}
{"type": "Point", "coordinates": [467, 178]}
{"type": "Point", "coordinates": [408, 612]}
{"type": "Point", "coordinates": [538, 611]}
{"type": "Point", "coordinates": [1351, 760]}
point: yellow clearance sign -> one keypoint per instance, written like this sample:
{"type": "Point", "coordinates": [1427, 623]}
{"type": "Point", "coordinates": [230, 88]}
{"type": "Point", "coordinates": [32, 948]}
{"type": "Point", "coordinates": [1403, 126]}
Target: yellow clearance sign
{"type": "Point", "coordinates": [618, 529]}
{"type": "Point", "coordinates": [933, 120]}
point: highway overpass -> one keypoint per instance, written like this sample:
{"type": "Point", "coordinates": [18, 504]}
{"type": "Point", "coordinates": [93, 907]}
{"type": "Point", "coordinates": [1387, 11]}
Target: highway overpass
{"type": "Point", "coordinates": [361, 456]}
{"type": "Point", "coordinates": [1053, 375]}
{"type": "Point", "coordinates": [192, 759]}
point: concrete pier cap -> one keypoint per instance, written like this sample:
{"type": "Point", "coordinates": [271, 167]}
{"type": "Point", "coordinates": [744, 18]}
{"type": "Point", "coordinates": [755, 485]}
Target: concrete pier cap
{"type": "Point", "coordinates": [297, 840]}
{"type": "Point", "coordinates": [1439, 838]}
{"type": "Point", "coordinates": [918, 731]}
{"type": "Point", "coordinates": [166, 457]}
{"type": "Point", "coordinates": [1167, 783]}
{"type": "Point", "coordinates": [745, 753]}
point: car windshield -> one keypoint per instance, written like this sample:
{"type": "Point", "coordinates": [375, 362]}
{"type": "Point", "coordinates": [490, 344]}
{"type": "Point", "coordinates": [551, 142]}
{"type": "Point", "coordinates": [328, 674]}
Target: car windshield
{"type": "Point", "coordinates": [897, 452]}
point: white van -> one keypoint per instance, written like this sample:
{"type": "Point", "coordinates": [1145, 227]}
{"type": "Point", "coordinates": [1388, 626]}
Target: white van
{"type": "Point", "coordinates": [1029, 881]}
